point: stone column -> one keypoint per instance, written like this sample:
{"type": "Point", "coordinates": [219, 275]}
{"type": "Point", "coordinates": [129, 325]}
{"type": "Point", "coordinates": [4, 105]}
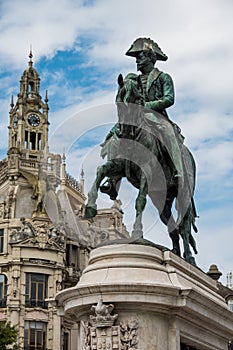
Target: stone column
{"type": "Point", "coordinates": [56, 332]}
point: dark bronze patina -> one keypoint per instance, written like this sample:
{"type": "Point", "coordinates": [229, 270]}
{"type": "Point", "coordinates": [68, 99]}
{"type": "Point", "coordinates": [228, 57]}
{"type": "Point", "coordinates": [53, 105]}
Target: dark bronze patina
{"type": "Point", "coordinates": [147, 148]}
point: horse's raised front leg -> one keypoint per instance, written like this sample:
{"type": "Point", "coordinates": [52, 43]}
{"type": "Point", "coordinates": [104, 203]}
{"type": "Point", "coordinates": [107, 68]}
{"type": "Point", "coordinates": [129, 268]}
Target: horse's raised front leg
{"type": "Point", "coordinates": [140, 206]}
{"type": "Point", "coordinates": [91, 207]}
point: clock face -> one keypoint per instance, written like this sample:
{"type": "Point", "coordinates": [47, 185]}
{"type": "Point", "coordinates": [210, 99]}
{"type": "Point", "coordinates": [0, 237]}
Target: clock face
{"type": "Point", "coordinates": [33, 120]}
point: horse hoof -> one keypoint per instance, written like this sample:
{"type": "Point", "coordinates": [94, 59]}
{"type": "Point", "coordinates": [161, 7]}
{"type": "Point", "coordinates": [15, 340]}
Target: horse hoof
{"type": "Point", "coordinates": [90, 212]}
{"type": "Point", "coordinates": [136, 234]}
{"type": "Point", "coordinates": [176, 251]}
{"type": "Point", "coordinates": [191, 260]}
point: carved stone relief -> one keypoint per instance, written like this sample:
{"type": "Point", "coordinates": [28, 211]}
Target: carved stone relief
{"type": "Point", "coordinates": [25, 232]}
{"type": "Point", "coordinates": [10, 200]}
{"type": "Point", "coordinates": [129, 335]}
{"type": "Point", "coordinates": [39, 233]}
{"type": "Point", "coordinates": [101, 332]}
{"type": "Point", "coordinates": [2, 210]}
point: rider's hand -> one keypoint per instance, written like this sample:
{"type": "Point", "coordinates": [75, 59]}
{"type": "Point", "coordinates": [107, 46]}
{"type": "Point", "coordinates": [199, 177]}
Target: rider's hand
{"type": "Point", "coordinates": [149, 105]}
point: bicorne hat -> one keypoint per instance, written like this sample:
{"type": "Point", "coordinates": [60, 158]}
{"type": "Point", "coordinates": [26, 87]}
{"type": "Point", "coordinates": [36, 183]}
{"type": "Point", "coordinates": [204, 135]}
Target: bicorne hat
{"type": "Point", "coordinates": [146, 44]}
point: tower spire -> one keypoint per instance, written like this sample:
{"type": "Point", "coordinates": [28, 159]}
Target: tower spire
{"type": "Point", "coordinates": [30, 56]}
{"type": "Point", "coordinates": [82, 173]}
{"type": "Point", "coordinates": [82, 181]}
{"type": "Point", "coordinates": [46, 97]}
{"type": "Point", "coordinates": [12, 101]}
{"type": "Point", "coordinates": [63, 168]}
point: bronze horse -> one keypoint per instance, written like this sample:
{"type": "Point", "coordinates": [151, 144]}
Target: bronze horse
{"type": "Point", "coordinates": [136, 151]}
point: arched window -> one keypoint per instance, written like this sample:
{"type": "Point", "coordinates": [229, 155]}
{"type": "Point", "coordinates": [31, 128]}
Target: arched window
{"type": "Point", "coordinates": [49, 164]}
{"type": "Point", "coordinates": [3, 290]}
{"type": "Point", "coordinates": [31, 87]}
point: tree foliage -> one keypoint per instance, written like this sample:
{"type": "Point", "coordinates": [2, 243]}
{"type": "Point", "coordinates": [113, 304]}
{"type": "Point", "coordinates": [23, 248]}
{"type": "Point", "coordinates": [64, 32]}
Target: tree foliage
{"type": "Point", "coordinates": [8, 336]}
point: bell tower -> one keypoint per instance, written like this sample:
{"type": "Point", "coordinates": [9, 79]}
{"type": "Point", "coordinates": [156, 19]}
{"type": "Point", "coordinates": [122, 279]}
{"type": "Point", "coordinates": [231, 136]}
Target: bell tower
{"type": "Point", "coordinates": [31, 169]}
{"type": "Point", "coordinates": [28, 128]}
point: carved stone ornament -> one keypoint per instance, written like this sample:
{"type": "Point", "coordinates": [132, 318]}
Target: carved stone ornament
{"type": "Point", "coordinates": [101, 333]}
{"type": "Point", "coordinates": [100, 235]}
{"type": "Point", "coordinates": [25, 232]}
{"type": "Point", "coordinates": [2, 210]}
{"type": "Point", "coordinates": [129, 335]}
{"type": "Point", "coordinates": [102, 316]}
{"type": "Point", "coordinates": [39, 234]}
{"type": "Point", "coordinates": [11, 196]}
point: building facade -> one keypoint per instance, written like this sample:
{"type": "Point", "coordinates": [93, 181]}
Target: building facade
{"type": "Point", "coordinates": [44, 242]}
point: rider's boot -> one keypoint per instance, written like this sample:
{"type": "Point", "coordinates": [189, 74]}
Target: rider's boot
{"type": "Point", "coordinates": [90, 212]}
{"type": "Point", "coordinates": [109, 187]}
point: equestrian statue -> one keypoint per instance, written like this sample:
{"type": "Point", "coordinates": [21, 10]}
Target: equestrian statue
{"type": "Point", "coordinates": [147, 148]}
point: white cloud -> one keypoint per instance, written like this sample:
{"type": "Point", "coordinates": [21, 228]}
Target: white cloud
{"type": "Point", "coordinates": [47, 25]}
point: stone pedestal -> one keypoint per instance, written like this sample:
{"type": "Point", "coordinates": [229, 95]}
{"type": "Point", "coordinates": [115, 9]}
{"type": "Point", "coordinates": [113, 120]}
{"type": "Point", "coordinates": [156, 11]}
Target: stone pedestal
{"type": "Point", "coordinates": [134, 296]}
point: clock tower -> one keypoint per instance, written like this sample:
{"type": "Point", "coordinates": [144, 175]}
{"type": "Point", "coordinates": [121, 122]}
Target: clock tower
{"type": "Point", "coordinates": [28, 128]}
{"type": "Point", "coordinates": [32, 169]}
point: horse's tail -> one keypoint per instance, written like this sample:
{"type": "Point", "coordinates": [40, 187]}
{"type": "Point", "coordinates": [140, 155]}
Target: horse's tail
{"type": "Point", "coordinates": [194, 215]}
{"type": "Point", "coordinates": [190, 173]}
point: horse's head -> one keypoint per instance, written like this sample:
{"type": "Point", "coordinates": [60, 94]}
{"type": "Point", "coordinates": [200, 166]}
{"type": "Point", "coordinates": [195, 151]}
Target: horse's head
{"type": "Point", "coordinates": [129, 100]}
{"type": "Point", "coordinates": [129, 89]}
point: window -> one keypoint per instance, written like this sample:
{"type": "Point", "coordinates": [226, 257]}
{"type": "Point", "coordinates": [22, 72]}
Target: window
{"type": "Point", "coordinates": [26, 142]}
{"type": "Point", "coordinates": [3, 290]}
{"type": "Point", "coordinates": [72, 253]}
{"type": "Point", "coordinates": [66, 341]}
{"type": "Point", "coordinates": [229, 280]}
{"type": "Point", "coordinates": [230, 304]}
{"type": "Point", "coordinates": [32, 144]}
{"type": "Point", "coordinates": [36, 290]}
{"type": "Point", "coordinates": [1, 240]}
{"type": "Point", "coordinates": [39, 145]}
{"type": "Point", "coordinates": [34, 335]}
{"type": "Point", "coordinates": [14, 141]}
{"type": "Point", "coordinates": [31, 85]}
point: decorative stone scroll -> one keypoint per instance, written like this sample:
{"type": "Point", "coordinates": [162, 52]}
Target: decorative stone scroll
{"type": "Point", "coordinates": [100, 333]}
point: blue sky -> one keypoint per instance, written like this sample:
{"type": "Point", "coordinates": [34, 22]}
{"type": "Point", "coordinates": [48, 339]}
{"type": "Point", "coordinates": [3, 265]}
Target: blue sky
{"type": "Point", "coordinates": [79, 48]}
